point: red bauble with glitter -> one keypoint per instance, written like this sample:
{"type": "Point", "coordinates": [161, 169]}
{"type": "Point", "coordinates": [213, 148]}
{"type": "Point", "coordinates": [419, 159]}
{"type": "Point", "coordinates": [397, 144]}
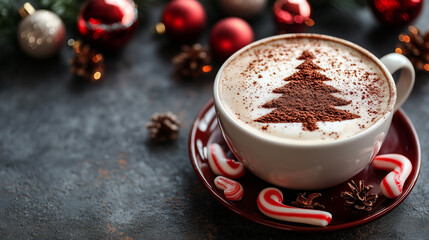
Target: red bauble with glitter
{"type": "Point", "coordinates": [292, 15]}
{"type": "Point", "coordinates": [396, 13]}
{"type": "Point", "coordinates": [184, 20]}
{"type": "Point", "coordinates": [107, 24]}
{"type": "Point", "coordinates": [229, 35]}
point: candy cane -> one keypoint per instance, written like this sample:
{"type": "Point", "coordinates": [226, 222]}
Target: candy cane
{"type": "Point", "coordinates": [221, 165]}
{"type": "Point", "coordinates": [400, 167]}
{"type": "Point", "coordinates": [233, 190]}
{"type": "Point", "coordinates": [270, 203]}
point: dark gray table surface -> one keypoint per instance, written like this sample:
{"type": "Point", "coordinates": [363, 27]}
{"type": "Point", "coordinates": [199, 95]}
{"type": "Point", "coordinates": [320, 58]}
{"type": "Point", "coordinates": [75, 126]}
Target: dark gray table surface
{"type": "Point", "coordinates": [76, 161]}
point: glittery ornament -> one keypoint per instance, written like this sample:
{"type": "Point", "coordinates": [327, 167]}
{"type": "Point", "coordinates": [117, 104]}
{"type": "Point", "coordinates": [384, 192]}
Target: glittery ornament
{"type": "Point", "coordinates": [396, 13]}
{"type": "Point", "coordinates": [292, 15]}
{"type": "Point", "coordinates": [183, 20]}
{"type": "Point", "coordinates": [41, 33]}
{"type": "Point", "coordinates": [229, 35]}
{"type": "Point", "coordinates": [108, 24]}
{"type": "Point", "coordinates": [243, 8]}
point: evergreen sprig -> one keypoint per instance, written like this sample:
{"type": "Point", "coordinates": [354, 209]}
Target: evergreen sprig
{"type": "Point", "coordinates": [67, 10]}
{"type": "Point", "coordinates": [9, 18]}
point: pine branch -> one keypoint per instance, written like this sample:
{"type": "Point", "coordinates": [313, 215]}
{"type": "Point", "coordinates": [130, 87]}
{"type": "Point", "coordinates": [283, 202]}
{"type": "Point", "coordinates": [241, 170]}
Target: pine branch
{"type": "Point", "coordinates": [67, 10]}
{"type": "Point", "coordinates": [9, 18]}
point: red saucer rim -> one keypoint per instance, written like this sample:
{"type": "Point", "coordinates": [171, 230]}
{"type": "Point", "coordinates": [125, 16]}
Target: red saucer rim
{"type": "Point", "coordinates": [285, 226]}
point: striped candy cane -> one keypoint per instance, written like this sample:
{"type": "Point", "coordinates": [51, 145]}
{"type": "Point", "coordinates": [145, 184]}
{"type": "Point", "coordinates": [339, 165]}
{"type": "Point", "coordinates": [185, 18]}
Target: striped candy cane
{"type": "Point", "coordinates": [400, 167]}
{"type": "Point", "coordinates": [221, 165]}
{"type": "Point", "coordinates": [270, 203]}
{"type": "Point", "coordinates": [233, 190]}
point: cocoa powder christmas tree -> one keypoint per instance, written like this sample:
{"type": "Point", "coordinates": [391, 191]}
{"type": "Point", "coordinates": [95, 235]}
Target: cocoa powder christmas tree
{"type": "Point", "coordinates": [306, 99]}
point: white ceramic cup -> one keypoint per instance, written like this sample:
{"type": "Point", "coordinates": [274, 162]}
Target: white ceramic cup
{"type": "Point", "coordinates": [319, 165]}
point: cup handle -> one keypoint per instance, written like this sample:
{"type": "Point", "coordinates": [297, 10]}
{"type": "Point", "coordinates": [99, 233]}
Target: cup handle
{"type": "Point", "coordinates": [405, 83]}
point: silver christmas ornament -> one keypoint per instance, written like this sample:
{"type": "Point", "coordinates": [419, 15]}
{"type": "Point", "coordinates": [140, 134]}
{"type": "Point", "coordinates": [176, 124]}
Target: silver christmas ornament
{"type": "Point", "coordinates": [41, 33]}
{"type": "Point", "coordinates": [243, 8]}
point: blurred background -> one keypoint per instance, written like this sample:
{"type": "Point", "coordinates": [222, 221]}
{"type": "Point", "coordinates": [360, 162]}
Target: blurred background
{"type": "Point", "coordinates": [80, 81]}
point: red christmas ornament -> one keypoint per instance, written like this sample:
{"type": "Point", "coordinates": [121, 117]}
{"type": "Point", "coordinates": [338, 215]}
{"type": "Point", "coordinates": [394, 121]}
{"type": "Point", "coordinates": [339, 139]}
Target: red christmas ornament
{"type": "Point", "coordinates": [396, 13]}
{"type": "Point", "coordinates": [184, 20]}
{"type": "Point", "coordinates": [292, 15]}
{"type": "Point", "coordinates": [107, 24]}
{"type": "Point", "coordinates": [229, 35]}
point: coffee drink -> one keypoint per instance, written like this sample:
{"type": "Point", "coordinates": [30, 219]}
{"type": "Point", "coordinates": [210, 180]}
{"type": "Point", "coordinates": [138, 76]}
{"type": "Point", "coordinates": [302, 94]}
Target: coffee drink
{"type": "Point", "coordinates": [305, 90]}
{"type": "Point", "coordinates": [295, 108]}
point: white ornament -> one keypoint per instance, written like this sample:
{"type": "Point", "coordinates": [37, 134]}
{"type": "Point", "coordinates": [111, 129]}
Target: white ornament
{"type": "Point", "coordinates": [41, 33]}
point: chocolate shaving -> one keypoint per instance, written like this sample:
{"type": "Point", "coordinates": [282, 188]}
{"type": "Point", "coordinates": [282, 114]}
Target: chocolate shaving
{"type": "Point", "coordinates": [306, 55]}
{"type": "Point", "coordinates": [306, 99]}
{"type": "Point", "coordinates": [307, 65]}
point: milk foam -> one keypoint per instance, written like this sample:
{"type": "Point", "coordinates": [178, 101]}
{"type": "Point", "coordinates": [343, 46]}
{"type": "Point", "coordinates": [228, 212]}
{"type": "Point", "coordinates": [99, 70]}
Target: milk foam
{"type": "Point", "coordinates": [247, 82]}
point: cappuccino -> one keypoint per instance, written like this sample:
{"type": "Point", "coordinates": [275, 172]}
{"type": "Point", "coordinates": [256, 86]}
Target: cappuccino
{"type": "Point", "coordinates": [304, 89]}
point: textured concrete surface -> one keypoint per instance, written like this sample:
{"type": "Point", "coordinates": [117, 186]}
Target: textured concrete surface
{"type": "Point", "coordinates": [76, 163]}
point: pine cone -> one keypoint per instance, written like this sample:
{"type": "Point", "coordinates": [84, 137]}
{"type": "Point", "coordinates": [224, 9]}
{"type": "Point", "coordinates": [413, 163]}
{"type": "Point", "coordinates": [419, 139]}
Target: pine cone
{"type": "Point", "coordinates": [415, 47]}
{"type": "Point", "coordinates": [359, 197]}
{"type": "Point", "coordinates": [86, 63]}
{"type": "Point", "coordinates": [163, 127]}
{"type": "Point", "coordinates": [307, 202]}
{"type": "Point", "coordinates": [192, 61]}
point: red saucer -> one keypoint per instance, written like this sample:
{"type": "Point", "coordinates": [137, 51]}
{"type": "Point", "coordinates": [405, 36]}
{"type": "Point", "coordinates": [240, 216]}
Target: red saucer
{"type": "Point", "coordinates": [401, 138]}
